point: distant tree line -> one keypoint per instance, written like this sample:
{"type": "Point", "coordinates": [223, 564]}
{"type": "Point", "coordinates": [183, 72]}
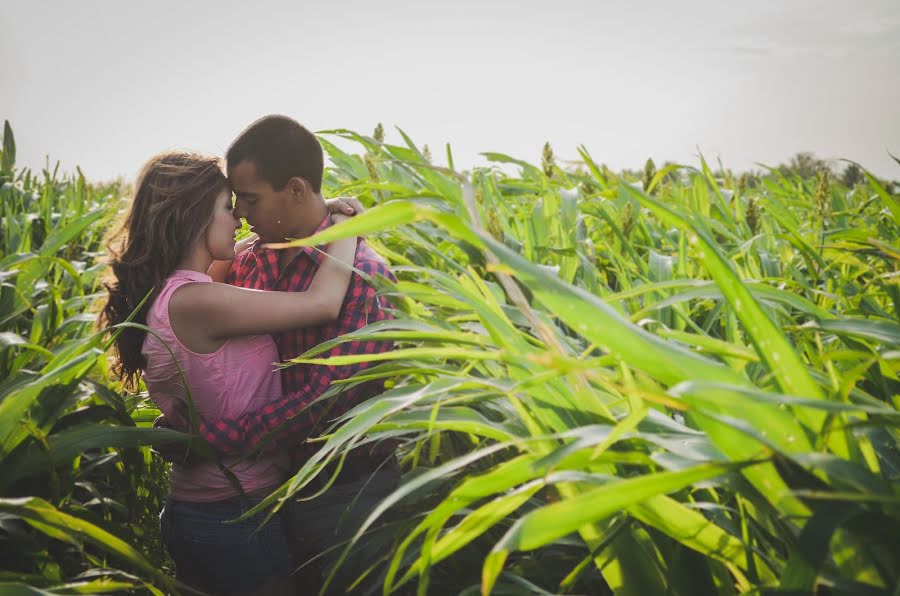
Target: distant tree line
{"type": "Point", "coordinates": [804, 165]}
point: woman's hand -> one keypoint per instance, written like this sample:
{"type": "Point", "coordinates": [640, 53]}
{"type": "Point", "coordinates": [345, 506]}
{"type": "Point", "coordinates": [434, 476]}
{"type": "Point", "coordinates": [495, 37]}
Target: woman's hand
{"type": "Point", "coordinates": [348, 206]}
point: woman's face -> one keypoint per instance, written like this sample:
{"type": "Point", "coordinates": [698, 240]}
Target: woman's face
{"type": "Point", "coordinates": [220, 233]}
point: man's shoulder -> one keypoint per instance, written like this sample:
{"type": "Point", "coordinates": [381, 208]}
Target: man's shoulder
{"type": "Point", "coordinates": [370, 262]}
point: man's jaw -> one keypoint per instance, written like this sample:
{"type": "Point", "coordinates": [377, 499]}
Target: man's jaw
{"type": "Point", "coordinates": [264, 239]}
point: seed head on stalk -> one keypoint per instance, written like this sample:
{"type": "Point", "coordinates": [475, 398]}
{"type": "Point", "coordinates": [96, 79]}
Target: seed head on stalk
{"type": "Point", "coordinates": [649, 173]}
{"type": "Point", "coordinates": [822, 196]}
{"type": "Point", "coordinates": [741, 185]}
{"type": "Point", "coordinates": [379, 133]}
{"type": "Point", "coordinates": [479, 193]}
{"type": "Point", "coordinates": [724, 177]}
{"type": "Point", "coordinates": [370, 166]}
{"type": "Point", "coordinates": [753, 215]}
{"type": "Point", "coordinates": [587, 188]}
{"type": "Point", "coordinates": [426, 153]}
{"type": "Point", "coordinates": [548, 160]}
{"type": "Point", "coordinates": [628, 218]}
{"type": "Point", "coordinates": [493, 224]}
{"type": "Point", "coordinates": [740, 189]}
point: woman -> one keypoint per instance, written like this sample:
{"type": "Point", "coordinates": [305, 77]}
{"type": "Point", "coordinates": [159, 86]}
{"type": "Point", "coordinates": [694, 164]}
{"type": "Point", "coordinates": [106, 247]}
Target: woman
{"type": "Point", "coordinates": [179, 223]}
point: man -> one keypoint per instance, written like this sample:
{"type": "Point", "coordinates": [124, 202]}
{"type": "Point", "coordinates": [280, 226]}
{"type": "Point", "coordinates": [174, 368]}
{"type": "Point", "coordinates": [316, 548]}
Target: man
{"type": "Point", "coordinates": [276, 167]}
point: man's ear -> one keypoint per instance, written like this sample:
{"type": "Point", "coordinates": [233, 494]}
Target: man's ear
{"type": "Point", "coordinates": [300, 189]}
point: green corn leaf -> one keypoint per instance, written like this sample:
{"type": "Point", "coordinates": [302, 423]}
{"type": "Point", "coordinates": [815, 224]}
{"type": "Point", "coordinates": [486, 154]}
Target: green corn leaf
{"type": "Point", "coordinates": [66, 445]}
{"type": "Point", "coordinates": [62, 526]}
{"type": "Point", "coordinates": [554, 521]}
{"type": "Point", "coordinates": [877, 331]}
{"type": "Point", "coordinates": [599, 323]}
{"type": "Point", "coordinates": [771, 345]}
{"type": "Point", "coordinates": [69, 232]}
{"type": "Point", "coordinates": [14, 405]}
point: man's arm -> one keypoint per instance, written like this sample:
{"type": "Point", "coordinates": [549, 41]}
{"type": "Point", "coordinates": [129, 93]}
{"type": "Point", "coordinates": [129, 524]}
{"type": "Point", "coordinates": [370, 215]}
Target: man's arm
{"type": "Point", "coordinates": [362, 306]}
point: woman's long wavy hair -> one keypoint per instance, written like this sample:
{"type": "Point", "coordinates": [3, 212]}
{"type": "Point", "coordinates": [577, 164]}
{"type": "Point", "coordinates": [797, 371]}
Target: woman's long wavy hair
{"type": "Point", "coordinates": [174, 202]}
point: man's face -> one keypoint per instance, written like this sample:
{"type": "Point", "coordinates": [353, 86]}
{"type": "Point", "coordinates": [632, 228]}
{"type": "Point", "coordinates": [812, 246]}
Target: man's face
{"type": "Point", "coordinates": [269, 212]}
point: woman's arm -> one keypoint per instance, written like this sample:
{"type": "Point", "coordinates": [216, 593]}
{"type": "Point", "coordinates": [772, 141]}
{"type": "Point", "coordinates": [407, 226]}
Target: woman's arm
{"type": "Point", "coordinates": [216, 311]}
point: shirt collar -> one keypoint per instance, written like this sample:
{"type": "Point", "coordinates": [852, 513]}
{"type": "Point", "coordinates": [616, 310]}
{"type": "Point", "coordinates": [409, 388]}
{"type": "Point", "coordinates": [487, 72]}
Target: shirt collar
{"type": "Point", "coordinates": [310, 251]}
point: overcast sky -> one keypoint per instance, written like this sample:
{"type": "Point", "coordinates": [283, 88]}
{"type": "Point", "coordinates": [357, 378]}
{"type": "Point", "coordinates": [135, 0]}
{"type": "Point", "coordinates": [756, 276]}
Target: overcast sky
{"type": "Point", "coordinates": [105, 84]}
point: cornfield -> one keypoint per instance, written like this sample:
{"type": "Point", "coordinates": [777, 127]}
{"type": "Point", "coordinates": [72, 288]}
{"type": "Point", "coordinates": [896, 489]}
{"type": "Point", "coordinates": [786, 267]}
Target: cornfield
{"type": "Point", "coordinates": [675, 382]}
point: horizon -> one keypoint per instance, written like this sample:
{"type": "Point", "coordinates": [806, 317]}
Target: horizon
{"type": "Point", "coordinates": [835, 166]}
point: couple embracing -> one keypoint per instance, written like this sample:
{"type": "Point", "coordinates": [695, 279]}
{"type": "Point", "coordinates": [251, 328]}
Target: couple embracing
{"type": "Point", "coordinates": [222, 314]}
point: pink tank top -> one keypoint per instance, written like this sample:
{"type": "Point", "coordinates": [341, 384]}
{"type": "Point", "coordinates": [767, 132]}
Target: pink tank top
{"type": "Point", "coordinates": [236, 378]}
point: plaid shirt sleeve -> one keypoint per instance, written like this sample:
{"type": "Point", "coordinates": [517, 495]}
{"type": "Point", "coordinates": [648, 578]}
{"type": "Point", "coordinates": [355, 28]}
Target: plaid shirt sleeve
{"type": "Point", "coordinates": [240, 268]}
{"type": "Point", "coordinates": [289, 414]}
{"type": "Point", "coordinates": [231, 276]}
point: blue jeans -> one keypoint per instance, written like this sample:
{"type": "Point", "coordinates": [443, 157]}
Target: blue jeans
{"type": "Point", "coordinates": [223, 558]}
{"type": "Point", "coordinates": [323, 523]}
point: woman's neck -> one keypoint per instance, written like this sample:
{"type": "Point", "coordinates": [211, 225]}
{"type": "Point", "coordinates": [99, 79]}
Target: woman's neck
{"type": "Point", "coordinates": [198, 260]}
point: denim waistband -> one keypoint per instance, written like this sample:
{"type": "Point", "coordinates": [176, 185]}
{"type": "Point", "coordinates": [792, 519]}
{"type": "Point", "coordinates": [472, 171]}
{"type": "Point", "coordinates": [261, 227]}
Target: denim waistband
{"type": "Point", "coordinates": [253, 497]}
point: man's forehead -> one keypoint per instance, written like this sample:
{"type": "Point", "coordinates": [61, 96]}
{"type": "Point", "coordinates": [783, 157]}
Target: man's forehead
{"type": "Point", "coordinates": [243, 176]}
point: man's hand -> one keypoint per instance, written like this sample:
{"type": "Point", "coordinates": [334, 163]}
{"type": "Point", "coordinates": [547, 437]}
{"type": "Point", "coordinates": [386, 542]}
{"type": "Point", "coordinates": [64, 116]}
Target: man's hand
{"type": "Point", "coordinates": [345, 206]}
{"type": "Point", "coordinates": [175, 453]}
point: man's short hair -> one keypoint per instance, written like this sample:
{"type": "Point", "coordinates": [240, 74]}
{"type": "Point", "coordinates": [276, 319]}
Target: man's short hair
{"type": "Point", "coordinates": [280, 148]}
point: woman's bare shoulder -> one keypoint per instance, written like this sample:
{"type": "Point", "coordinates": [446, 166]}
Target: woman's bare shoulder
{"type": "Point", "coordinates": [196, 296]}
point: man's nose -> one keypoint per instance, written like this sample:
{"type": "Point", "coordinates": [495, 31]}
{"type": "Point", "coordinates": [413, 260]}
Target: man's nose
{"type": "Point", "coordinates": [239, 211]}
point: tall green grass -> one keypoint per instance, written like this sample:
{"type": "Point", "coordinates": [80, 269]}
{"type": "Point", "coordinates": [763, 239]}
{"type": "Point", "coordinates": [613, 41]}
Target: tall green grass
{"type": "Point", "coordinates": [681, 384]}
{"type": "Point", "coordinates": [78, 494]}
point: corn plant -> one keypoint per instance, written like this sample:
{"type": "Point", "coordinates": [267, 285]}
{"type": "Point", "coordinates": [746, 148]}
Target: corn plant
{"type": "Point", "coordinates": [674, 381]}
{"type": "Point", "coordinates": [600, 384]}
{"type": "Point", "coordinates": [78, 492]}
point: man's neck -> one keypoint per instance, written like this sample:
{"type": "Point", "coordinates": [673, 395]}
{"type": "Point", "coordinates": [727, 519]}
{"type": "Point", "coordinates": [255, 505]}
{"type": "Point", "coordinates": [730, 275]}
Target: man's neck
{"type": "Point", "coordinates": [313, 215]}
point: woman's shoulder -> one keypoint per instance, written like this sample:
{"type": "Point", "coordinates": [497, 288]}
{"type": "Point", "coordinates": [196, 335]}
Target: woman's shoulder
{"type": "Point", "coordinates": [166, 298]}
{"type": "Point", "coordinates": [190, 291]}
{"type": "Point", "coordinates": [181, 277]}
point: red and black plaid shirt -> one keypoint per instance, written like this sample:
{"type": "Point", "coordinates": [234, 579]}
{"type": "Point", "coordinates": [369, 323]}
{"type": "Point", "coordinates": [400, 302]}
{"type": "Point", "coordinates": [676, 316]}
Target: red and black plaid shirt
{"type": "Point", "coordinates": [258, 268]}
